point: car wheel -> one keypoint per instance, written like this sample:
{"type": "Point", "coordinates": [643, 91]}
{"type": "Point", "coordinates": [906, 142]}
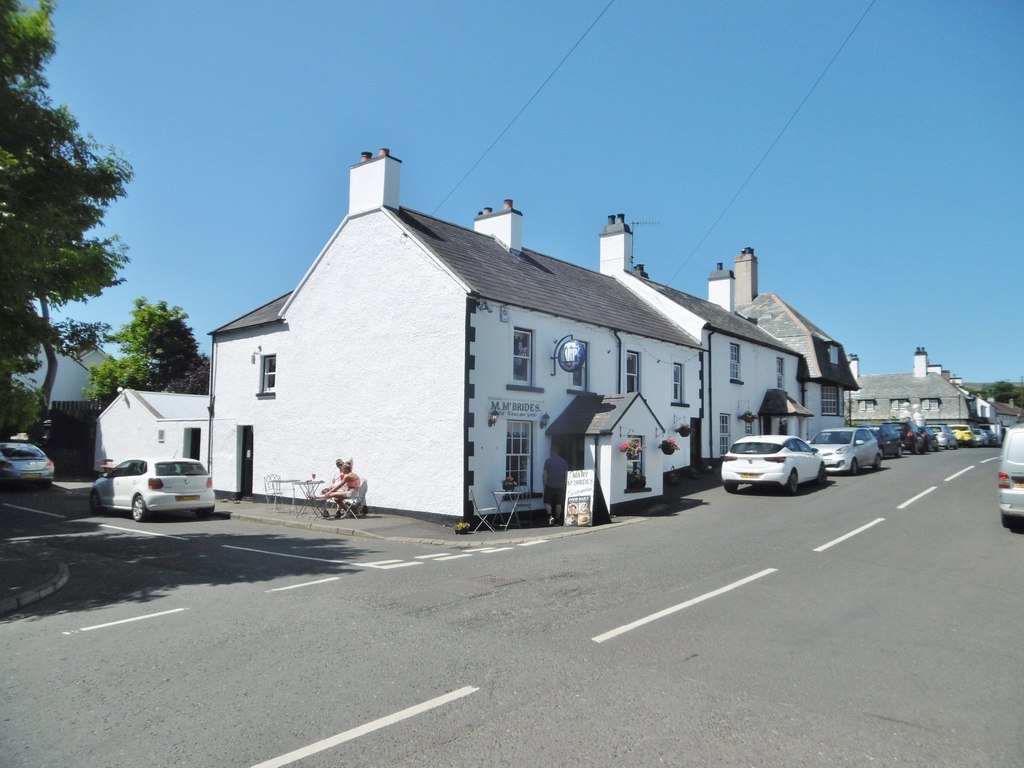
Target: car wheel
{"type": "Point", "coordinates": [899, 450]}
{"type": "Point", "coordinates": [822, 477]}
{"type": "Point", "coordinates": [877, 463]}
{"type": "Point", "coordinates": [731, 487]}
{"type": "Point", "coordinates": [854, 469]}
{"type": "Point", "coordinates": [139, 511]}
{"type": "Point", "coordinates": [95, 505]}
{"type": "Point", "coordinates": [203, 513]}
{"type": "Point", "coordinates": [792, 484]}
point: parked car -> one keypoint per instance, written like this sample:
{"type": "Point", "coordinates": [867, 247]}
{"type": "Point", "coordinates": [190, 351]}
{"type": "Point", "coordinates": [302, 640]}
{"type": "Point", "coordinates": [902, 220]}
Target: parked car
{"type": "Point", "coordinates": [944, 436]}
{"type": "Point", "coordinates": [888, 438]}
{"type": "Point", "coordinates": [912, 436]}
{"type": "Point", "coordinates": [22, 463]}
{"type": "Point", "coordinates": [980, 438]}
{"type": "Point", "coordinates": [1011, 477]}
{"type": "Point", "coordinates": [990, 433]}
{"type": "Point", "coordinates": [964, 435]}
{"type": "Point", "coordinates": [781, 460]}
{"type": "Point", "coordinates": [930, 438]}
{"type": "Point", "coordinates": [847, 449]}
{"type": "Point", "coordinates": [144, 486]}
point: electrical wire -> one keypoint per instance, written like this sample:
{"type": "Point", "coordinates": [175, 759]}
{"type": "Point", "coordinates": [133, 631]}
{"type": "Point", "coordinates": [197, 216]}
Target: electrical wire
{"type": "Point", "coordinates": [771, 146]}
{"type": "Point", "coordinates": [523, 109]}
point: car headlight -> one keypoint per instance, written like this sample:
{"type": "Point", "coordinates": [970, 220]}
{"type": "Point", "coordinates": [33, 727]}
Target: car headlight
{"type": "Point", "coordinates": [844, 449]}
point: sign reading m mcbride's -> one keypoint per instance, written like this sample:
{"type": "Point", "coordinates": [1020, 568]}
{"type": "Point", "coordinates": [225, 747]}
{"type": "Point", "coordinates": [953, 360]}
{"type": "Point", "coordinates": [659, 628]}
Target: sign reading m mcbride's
{"type": "Point", "coordinates": [517, 409]}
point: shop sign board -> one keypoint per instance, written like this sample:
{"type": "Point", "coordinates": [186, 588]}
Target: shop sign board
{"type": "Point", "coordinates": [517, 409]}
{"type": "Point", "coordinates": [579, 498]}
{"type": "Point", "coordinates": [572, 355]}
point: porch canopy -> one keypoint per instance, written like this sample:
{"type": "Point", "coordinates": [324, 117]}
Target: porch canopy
{"type": "Point", "coordinates": [592, 414]}
{"type": "Point", "coordinates": [777, 402]}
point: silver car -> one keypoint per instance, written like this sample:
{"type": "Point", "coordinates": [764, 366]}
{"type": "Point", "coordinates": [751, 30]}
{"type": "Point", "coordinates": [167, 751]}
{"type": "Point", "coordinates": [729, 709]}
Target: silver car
{"type": "Point", "coordinates": [1011, 477]}
{"type": "Point", "coordinates": [24, 463]}
{"type": "Point", "coordinates": [848, 449]}
{"type": "Point", "coordinates": [144, 486]}
{"type": "Point", "coordinates": [945, 436]}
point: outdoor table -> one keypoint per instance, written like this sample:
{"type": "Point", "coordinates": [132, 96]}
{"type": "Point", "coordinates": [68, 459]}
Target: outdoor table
{"type": "Point", "coordinates": [513, 498]}
{"type": "Point", "coordinates": [308, 501]}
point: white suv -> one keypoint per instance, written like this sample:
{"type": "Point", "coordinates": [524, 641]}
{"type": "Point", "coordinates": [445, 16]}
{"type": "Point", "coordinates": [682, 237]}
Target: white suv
{"type": "Point", "coordinates": [1011, 477]}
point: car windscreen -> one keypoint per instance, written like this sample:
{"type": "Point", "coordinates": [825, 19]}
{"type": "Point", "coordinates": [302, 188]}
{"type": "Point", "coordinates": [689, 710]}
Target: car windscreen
{"type": "Point", "coordinates": [21, 452]}
{"type": "Point", "coordinates": [762, 449]}
{"type": "Point", "coordinates": [832, 438]}
{"type": "Point", "coordinates": [170, 468]}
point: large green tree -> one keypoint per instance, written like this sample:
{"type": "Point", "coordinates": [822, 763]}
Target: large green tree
{"type": "Point", "coordinates": [158, 353]}
{"type": "Point", "coordinates": [55, 186]}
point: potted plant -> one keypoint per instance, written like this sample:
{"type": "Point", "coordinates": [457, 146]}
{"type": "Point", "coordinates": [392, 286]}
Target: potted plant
{"type": "Point", "coordinates": [669, 446]}
{"type": "Point", "coordinates": [683, 430]}
{"type": "Point", "coordinates": [461, 528]}
{"type": "Point", "coordinates": [632, 448]}
{"type": "Point", "coordinates": [748, 417]}
{"type": "Point", "coordinates": [509, 483]}
{"type": "Point", "coordinates": [635, 481]}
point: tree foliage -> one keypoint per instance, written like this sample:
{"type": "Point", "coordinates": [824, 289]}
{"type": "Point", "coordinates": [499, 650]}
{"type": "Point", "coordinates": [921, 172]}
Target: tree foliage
{"type": "Point", "coordinates": [55, 186]}
{"type": "Point", "coordinates": [159, 354]}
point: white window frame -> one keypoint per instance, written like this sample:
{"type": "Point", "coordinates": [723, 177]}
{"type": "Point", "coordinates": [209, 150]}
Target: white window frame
{"type": "Point", "coordinates": [724, 433]}
{"type": "Point", "coordinates": [734, 361]}
{"type": "Point", "coordinates": [632, 377]}
{"type": "Point", "coordinates": [518, 451]}
{"type": "Point", "coordinates": [830, 400]}
{"type": "Point", "coordinates": [930, 404]}
{"type": "Point", "coordinates": [897, 404]}
{"type": "Point", "coordinates": [268, 374]}
{"type": "Point", "coordinates": [522, 356]}
{"type": "Point", "coordinates": [780, 372]}
{"type": "Point", "coordinates": [678, 383]}
{"type": "Point", "coordinates": [578, 378]}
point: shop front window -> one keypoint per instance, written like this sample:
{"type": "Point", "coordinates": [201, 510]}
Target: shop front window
{"type": "Point", "coordinates": [518, 447]}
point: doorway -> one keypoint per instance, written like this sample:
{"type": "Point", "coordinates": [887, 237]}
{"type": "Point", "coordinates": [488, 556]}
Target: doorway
{"type": "Point", "coordinates": [245, 481]}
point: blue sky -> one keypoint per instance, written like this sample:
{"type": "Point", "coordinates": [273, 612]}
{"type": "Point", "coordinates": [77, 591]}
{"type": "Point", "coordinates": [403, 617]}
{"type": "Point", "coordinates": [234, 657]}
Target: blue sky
{"type": "Point", "coordinates": [889, 211]}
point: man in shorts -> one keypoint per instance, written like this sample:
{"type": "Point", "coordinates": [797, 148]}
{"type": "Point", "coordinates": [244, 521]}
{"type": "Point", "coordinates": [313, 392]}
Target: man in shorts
{"type": "Point", "coordinates": [555, 471]}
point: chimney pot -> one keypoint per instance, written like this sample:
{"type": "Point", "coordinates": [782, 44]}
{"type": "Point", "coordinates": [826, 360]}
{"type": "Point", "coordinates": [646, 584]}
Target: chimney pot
{"type": "Point", "coordinates": [365, 156]}
{"type": "Point", "coordinates": [611, 218]}
{"type": "Point", "coordinates": [719, 265]}
{"type": "Point", "coordinates": [621, 218]}
{"type": "Point", "coordinates": [384, 152]}
{"type": "Point", "coordinates": [486, 210]}
{"type": "Point", "coordinates": [508, 203]}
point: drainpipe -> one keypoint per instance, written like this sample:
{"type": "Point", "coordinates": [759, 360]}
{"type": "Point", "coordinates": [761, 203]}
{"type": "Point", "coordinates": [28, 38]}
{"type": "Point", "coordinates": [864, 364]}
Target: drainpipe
{"type": "Point", "coordinates": [209, 408]}
{"type": "Point", "coordinates": [708, 378]}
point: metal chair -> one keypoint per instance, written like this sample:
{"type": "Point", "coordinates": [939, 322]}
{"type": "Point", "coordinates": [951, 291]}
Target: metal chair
{"type": "Point", "coordinates": [482, 513]}
{"type": "Point", "coordinates": [355, 506]}
{"type": "Point", "coordinates": [272, 488]}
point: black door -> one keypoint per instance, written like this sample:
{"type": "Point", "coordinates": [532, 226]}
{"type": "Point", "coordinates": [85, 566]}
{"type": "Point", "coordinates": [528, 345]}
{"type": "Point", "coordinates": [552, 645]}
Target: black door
{"type": "Point", "coordinates": [194, 441]}
{"type": "Point", "coordinates": [247, 445]}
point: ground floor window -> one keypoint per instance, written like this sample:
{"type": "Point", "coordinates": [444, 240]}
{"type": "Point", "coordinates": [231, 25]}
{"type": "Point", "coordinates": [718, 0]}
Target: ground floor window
{"type": "Point", "coordinates": [724, 433]}
{"type": "Point", "coordinates": [830, 401]}
{"type": "Point", "coordinates": [518, 449]}
{"type": "Point", "coordinates": [634, 450]}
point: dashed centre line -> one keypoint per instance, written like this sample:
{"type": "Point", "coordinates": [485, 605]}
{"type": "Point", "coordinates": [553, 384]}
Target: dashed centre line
{"type": "Point", "coordinates": [921, 495]}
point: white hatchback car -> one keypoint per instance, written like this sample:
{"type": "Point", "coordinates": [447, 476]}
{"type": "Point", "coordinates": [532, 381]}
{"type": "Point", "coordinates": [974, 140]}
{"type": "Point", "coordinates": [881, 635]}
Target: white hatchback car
{"type": "Point", "coordinates": [771, 460]}
{"type": "Point", "coordinates": [143, 486]}
{"type": "Point", "coordinates": [1011, 477]}
{"type": "Point", "coordinates": [848, 449]}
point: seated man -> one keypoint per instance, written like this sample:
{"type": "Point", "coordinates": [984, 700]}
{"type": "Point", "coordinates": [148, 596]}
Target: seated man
{"type": "Point", "coordinates": [345, 486]}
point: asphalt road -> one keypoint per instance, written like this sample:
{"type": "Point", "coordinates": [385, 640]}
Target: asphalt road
{"type": "Point", "coordinates": [857, 624]}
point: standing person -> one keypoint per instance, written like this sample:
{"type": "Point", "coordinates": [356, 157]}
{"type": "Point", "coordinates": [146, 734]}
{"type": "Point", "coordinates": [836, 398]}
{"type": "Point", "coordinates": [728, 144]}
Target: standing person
{"type": "Point", "coordinates": [555, 471]}
{"type": "Point", "coordinates": [344, 486]}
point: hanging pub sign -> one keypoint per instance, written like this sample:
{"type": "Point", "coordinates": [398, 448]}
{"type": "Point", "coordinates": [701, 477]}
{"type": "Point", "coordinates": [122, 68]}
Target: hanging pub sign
{"type": "Point", "coordinates": [579, 498]}
{"type": "Point", "coordinates": [572, 356]}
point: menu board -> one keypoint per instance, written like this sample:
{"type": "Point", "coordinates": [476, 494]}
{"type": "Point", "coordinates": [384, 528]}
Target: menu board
{"type": "Point", "coordinates": [579, 498]}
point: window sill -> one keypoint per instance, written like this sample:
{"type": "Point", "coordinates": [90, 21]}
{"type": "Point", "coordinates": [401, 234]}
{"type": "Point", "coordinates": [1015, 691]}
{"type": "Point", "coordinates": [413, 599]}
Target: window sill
{"type": "Point", "coordinates": [522, 388]}
{"type": "Point", "coordinates": [735, 381]}
{"type": "Point", "coordinates": [636, 490]}
{"type": "Point", "coordinates": [679, 405]}
{"type": "Point", "coordinates": [266, 395]}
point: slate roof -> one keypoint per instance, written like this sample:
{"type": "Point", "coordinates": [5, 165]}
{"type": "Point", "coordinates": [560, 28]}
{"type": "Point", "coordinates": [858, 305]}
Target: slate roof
{"type": "Point", "coordinates": [787, 325]}
{"type": "Point", "coordinates": [590, 414]}
{"type": "Point", "coordinates": [718, 319]}
{"type": "Point", "coordinates": [883, 387]}
{"type": "Point", "coordinates": [173, 405]}
{"type": "Point", "coordinates": [532, 280]}
{"type": "Point", "coordinates": [260, 316]}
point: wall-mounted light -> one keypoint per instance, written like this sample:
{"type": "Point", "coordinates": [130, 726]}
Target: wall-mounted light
{"type": "Point", "coordinates": [254, 355]}
{"type": "Point", "coordinates": [544, 421]}
{"type": "Point", "coordinates": [492, 418]}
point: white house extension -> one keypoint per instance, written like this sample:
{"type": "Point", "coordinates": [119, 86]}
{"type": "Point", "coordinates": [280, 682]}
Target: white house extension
{"type": "Point", "coordinates": [156, 424]}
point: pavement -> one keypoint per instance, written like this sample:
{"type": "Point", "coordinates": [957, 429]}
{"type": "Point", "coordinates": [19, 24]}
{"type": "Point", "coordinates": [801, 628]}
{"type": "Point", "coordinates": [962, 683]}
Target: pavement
{"type": "Point", "coordinates": [24, 580]}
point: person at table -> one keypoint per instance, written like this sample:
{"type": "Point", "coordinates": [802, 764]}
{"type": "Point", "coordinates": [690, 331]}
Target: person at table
{"type": "Point", "coordinates": [555, 471]}
{"type": "Point", "coordinates": [345, 486]}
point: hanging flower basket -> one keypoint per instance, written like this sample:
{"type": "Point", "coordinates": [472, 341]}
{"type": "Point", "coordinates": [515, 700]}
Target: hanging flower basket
{"type": "Point", "coordinates": [669, 446]}
{"type": "Point", "coordinates": [631, 448]}
{"type": "Point", "coordinates": [683, 430]}
{"type": "Point", "coordinates": [748, 417]}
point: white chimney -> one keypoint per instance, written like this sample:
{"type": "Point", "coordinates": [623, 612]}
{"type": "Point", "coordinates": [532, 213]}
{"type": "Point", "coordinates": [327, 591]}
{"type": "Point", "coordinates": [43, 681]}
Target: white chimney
{"type": "Point", "coordinates": [616, 246]}
{"type": "Point", "coordinates": [855, 367]}
{"type": "Point", "coordinates": [745, 265]}
{"type": "Point", "coordinates": [722, 288]}
{"type": "Point", "coordinates": [373, 182]}
{"type": "Point", "coordinates": [920, 363]}
{"type": "Point", "coordinates": [505, 226]}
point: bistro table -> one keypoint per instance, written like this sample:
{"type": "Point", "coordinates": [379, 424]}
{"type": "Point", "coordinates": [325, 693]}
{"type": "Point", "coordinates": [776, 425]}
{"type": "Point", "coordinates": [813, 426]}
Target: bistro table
{"type": "Point", "coordinates": [512, 498]}
{"type": "Point", "coordinates": [309, 500]}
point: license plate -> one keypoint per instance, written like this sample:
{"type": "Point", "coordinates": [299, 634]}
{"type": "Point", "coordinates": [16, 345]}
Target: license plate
{"type": "Point", "coordinates": [186, 498]}
{"type": "Point", "coordinates": [31, 474]}
{"type": "Point", "coordinates": [748, 475]}
{"type": "Point", "coordinates": [1018, 484]}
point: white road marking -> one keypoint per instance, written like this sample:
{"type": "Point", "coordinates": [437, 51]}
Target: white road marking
{"type": "Point", "coordinates": [370, 727]}
{"type": "Point", "coordinates": [381, 562]}
{"type": "Point", "coordinates": [429, 557]}
{"type": "Point", "coordinates": [143, 533]}
{"type": "Point", "coordinates": [965, 469]}
{"type": "Point", "coordinates": [453, 557]}
{"type": "Point", "coordinates": [922, 494]}
{"type": "Point", "coordinates": [492, 550]}
{"type": "Point", "coordinates": [126, 621]}
{"type": "Point", "coordinates": [387, 567]}
{"type": "Point", "coordinates": [305, 584]}
{"type": "Point", "coordinates": [662, 614]}
{"type": "Point", "coordinates": [34, 511]}
{"type": "Point", "coordinates": [283, 554]}
{"type": "Point", "coordinates": [986, 461]}
{"type": "Point", "coordinates": [832, 543]}
{"type": "Point", "coordinates": [531, 543]}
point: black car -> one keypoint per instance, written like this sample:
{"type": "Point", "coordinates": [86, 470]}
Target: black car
{"type": "Point", "coordinates": [912, 436]}
{"type": "Point", "coordinates": [931, 439]}
{"type": "Point", "coordinates": [888, 438]}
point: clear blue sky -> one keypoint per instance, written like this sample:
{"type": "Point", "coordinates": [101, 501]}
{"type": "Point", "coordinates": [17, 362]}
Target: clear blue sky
{"type": "Point", "coordinates": [890, 211]}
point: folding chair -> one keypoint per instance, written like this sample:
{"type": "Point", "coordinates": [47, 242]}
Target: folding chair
{"type": "Point", "coordinates": [482, 513]}
{"type": "Point", "coordinates": [272, 488]}
{"type": "Point", "coordinates": [356, 505]}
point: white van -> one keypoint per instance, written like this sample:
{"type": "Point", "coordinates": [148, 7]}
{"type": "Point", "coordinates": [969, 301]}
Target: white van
{"type": "Point", "coordinates": [1011, 477]}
